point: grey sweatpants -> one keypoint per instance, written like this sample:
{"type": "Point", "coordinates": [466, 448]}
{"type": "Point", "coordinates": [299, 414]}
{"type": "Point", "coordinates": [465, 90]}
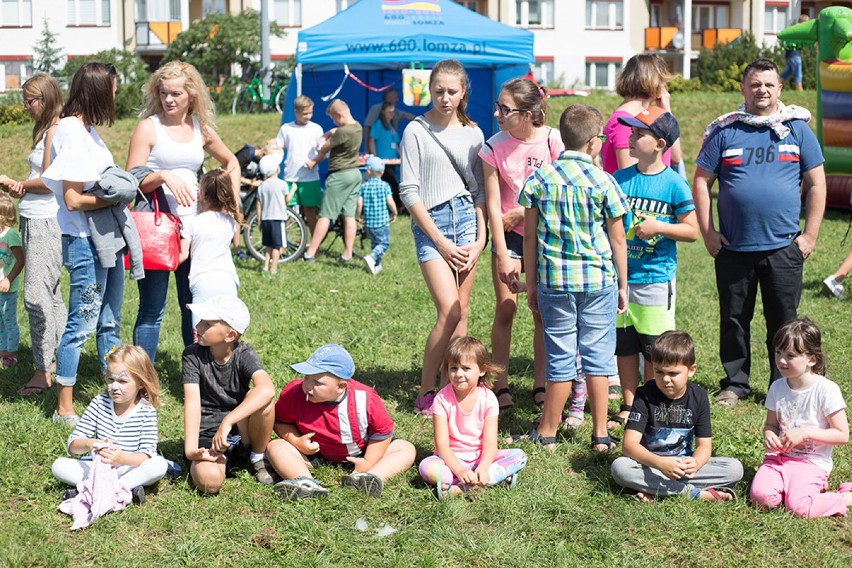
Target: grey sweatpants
{"type": "Point", "coordinates": [42, 296]}
{"type": "Point", "coordinates": [717, 472]}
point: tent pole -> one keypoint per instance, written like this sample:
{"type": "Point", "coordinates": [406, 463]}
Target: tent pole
{"type": "Point", "coordinates": [298, 79]}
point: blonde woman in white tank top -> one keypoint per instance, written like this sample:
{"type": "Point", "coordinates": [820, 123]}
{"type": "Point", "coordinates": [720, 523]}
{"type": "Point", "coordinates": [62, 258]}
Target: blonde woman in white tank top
{"type": "Point", "coordinates": [176, 129]}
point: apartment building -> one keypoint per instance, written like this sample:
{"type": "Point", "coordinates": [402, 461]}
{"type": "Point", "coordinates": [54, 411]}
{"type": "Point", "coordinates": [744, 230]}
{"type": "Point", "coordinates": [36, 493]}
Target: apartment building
{"type": "Point", "coordinates": [578, 43]}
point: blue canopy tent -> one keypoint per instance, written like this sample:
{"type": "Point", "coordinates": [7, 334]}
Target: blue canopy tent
{"type": "Point", "coordinates": [376, 39]}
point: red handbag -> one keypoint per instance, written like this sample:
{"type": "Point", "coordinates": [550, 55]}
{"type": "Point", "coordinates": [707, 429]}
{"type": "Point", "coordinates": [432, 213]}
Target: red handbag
{"type": "Point", "coordinates": [160, 236]}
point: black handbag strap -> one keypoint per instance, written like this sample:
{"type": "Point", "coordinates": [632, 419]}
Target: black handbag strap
{"type": "Point", "coordinates": [456, 167]}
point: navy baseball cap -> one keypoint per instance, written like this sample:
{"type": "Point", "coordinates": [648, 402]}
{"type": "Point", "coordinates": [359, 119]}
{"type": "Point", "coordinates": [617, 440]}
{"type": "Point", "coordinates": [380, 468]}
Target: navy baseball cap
{"type": "Point", "coordinates": [662, 123]}
{"type": "Point", "coordinates": [329, 358]}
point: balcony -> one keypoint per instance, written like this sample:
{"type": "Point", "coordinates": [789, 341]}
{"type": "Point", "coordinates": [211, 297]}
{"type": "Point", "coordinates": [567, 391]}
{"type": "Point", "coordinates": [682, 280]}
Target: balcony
{"type": "Point", "coordinates": [156, 36]}
{"type": "Point", "coordinates": [664, 38]}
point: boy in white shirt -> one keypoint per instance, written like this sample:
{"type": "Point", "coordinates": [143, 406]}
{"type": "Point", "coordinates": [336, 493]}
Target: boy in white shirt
{"type": "Point", "coordinates": [299, 139]}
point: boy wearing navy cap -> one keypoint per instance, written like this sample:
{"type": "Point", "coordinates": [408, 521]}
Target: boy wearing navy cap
{"type": "Point", "coordinates": [661, 212]}
{"type": "Point", "coordinates": [330, 416]}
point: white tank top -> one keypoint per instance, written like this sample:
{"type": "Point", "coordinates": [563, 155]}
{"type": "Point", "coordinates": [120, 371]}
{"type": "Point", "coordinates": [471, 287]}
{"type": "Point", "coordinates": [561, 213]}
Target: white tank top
{"type": "Point", "coordinates": [37, 205]}
{"type": "Point", "coordinates": [182, 158]}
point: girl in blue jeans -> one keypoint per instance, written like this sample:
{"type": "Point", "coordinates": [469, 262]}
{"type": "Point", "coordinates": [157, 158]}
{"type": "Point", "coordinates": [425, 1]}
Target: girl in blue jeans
{"type": "Point", "coordinates": [79, 155]}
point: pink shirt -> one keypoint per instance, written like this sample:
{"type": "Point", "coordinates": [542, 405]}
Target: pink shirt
{"type": "Point", "coordinates": [465, 428]}
{"type": "Point", "coordinates": [617, 136]}
{"type": "Point", "coordinates": [515, 160]}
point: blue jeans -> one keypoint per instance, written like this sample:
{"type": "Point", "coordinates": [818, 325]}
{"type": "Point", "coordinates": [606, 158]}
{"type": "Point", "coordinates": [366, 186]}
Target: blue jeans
{"type": "Point", "coordinates": [94, 304]}
{"type": "Point", "coordinates": [380, 241]}
{"type": "Point", "coordinates": [578, 321]}
{"type": "Point", "coordinates": [153, 292]}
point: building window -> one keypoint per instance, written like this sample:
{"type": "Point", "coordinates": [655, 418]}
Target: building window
{"type": "Point", "coordinates": [158, 10]}
{"type": "Point", "coordinates": [213, 7]}
{"type": "Point", "coordinates": [774, 19]}
{"type": "Point", "coordinates": [341, 5]}
{"type": "Point", "coordinates": [538, 13]}
{"type": "Point", "coordinates": [16, 13]}
{"type": "Point", "coordinates": [708, 17]}
{"type": "Point", "coordinates": [604, 14]}
{"type": "Point", "coordinates": [477, 6]}
{"type": "Point", "coordinates": [602, 74]}
{"type": "Point", "coordinates": [656, 15]}
{"type": "Point", "coordinates": [543, 73]}
{"type": "Point", "coordinates": [288, 13]}
{"type": "Point", "coordinates": [89, 12]}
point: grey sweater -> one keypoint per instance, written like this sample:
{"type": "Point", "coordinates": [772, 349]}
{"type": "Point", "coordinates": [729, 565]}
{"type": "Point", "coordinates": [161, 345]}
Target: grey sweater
{"type": "Point", "coordinates": [428, 175]}
{"type": "Point", "coordinates": [113, 230]}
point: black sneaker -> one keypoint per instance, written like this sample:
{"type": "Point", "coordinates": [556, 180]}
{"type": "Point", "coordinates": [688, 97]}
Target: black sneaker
{"type": "Point", "coordinates": [138, 494]}
{"type": "Point", "coordinates": [69, 494]}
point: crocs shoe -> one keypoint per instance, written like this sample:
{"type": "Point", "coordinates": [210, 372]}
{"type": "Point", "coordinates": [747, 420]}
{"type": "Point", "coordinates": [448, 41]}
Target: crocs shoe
{"type": "Point", "coordinates": [300, 488]}
{"type": "Point", "coordinates": [70, 420]}
{"type": "Point", "coordinates": [368, 483]}
{"type": "Point", "coordinates": [423, 404]}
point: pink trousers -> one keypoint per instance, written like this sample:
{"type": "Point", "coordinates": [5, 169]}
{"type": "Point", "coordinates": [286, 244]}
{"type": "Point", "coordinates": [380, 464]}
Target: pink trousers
{"type": "Point", "coordinates": [799, 484]}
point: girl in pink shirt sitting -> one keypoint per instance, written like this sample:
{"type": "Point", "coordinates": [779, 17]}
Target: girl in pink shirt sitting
{"type": "Point", "coordinates": [465, 422]}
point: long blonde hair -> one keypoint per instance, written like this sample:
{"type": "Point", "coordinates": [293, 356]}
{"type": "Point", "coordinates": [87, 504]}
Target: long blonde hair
{"type": "Point", "coordinates": [138, 365]}
{"type": "Point", "coordinates": [200, 104]}
{"type": "Point", "coordinates": [46, 89]}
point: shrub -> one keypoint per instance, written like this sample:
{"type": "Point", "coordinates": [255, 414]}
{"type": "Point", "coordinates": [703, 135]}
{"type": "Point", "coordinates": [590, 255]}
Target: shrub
{"type": "Point", "coordinates": [12, 110]}
{"type": "Point", "coordinates": [132, 74]}
{"type": "Point", "coordinates": [720, 69]}
{"type": "Point", "coordinates": [678, 84]}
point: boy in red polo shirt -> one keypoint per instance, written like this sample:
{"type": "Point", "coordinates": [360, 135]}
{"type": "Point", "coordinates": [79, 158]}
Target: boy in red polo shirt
{"type": "Point", "coordinates": [329, 416]}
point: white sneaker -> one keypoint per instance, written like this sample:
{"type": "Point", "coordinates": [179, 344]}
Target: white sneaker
{"type": "Point", "coordinates": [834, 287]}
{"type": "Point", "coordinates": [378, 269]}
{"type": "Point", "coordinates": [371, 264]}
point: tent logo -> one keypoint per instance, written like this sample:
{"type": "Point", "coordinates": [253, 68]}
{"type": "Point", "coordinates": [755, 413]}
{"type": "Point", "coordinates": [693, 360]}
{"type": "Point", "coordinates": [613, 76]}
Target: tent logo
{"type": "Point", "coordinates": [417, 12]}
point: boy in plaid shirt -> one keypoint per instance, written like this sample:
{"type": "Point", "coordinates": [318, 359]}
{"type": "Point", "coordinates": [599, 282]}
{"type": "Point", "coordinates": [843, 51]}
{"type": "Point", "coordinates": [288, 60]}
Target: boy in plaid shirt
{"type": "Point", "coordinates": [375, 201]}
{"type": "Point", "coordinates": [576, 270]}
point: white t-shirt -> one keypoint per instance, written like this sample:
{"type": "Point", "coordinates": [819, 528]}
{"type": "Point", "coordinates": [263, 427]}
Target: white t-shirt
{"type": "Point", "coordinates": [300, 142]}
{"type": "Point", "coordinates": [37, 205]}
{"type": "Point", "coordinates": [806, 408]}
{"type": "Point", "coordinates": [210, 235]}
{"type": "Point", "coordinates": [78, 155]}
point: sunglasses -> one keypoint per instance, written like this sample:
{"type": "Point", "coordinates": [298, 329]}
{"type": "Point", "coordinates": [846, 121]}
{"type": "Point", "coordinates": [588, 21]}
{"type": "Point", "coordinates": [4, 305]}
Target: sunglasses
{"type": "Point", "coordinates": [503, 110]}
{"type": "Point", "coordinates": [29, 102]}
{"type": "Point", "coordinates": [601, 137]}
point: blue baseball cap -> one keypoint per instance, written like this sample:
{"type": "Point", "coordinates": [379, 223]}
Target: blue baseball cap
{"type": "Point", "coordinates": [329, 358]}
{"type": "Point", "coordinates": [375, 164]}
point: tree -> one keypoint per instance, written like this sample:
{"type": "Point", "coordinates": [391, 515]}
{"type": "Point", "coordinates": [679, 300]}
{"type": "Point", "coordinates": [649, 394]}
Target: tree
{"type": "Point", "coordinates": [213, 43]}
{"type": "Point", "coordinates": [46, 52]}
{"type": "Point", "coordinates": [132, 74]}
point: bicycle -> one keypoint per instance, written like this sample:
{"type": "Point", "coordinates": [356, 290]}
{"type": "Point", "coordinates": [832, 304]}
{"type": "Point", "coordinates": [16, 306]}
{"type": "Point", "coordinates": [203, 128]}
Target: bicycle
{"type": "Point", "coordinates": [295, 231]}
{"type": "Point", "coordinates": [251, 98]}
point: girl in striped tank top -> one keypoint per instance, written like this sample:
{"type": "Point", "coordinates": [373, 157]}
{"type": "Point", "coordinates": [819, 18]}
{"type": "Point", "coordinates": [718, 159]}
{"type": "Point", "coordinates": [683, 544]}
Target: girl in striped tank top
{"type": "Point", "coordinates": [121, 425]}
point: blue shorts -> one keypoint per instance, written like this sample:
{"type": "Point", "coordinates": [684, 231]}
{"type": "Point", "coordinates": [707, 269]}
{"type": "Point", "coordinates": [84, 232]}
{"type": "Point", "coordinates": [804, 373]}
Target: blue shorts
{"type": "Point", "coordinates": [793, 68]}
{"type": "Point", "coordinates": [583, 321]}
{"type": "Point", "coordinates": [456, 219]}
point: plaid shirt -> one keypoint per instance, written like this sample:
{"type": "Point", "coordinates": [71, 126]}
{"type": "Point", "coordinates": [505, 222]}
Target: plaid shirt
{"type": "Point", "coordinates": [374, 192]}
{"type": "Point", "coordinates": [574, 198]}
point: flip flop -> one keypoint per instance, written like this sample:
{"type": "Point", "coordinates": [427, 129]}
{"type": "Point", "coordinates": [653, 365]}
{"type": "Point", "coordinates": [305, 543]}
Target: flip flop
{"type": "Point", "coordinates": [32, 390]}
{"type": "Point", "coordinates": [718, 492]}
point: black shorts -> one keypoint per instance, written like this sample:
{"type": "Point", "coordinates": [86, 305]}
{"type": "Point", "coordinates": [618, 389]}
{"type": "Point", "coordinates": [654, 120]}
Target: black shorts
{"type": "Point", "coordinates": [514, 244]}
{"type": "Point", "coordinates": [271, 233]}
{"type": "Point", "coordinates": [630, 342]}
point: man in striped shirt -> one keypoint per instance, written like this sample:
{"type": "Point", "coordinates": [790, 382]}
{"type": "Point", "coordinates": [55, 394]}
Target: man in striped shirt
{"type": "Point", "coordinates": [576, 269]}
{"type": "Point", "coordinates": [760, 154]}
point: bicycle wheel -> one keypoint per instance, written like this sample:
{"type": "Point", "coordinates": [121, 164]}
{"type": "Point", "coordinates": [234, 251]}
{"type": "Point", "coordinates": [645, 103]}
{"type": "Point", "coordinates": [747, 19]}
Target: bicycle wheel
{"type": "Point", "coordinates": [252, 237]}
{"type": "Point", "coordinates": [280, 98]}
{"type": "Point", "coordinates": [245, 101]}
{"type": "Point", "coordinates": [295, 237]}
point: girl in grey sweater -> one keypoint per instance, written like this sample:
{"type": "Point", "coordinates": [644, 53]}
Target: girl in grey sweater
{"type": "Point", "coordinates": [447, 204]}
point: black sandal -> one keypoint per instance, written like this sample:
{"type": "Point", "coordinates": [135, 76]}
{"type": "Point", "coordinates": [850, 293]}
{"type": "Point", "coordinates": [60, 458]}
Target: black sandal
{"type": "Point", "coordinates": [535, 391]}
{"type": "Point", "coordinates": [504, 407]}
{"type": "Point", "coordinates": [610, 441]}
{"type": "Point", "coordinates": [619, 420]}
{"type": "Point", "coordinates": [549, 442]}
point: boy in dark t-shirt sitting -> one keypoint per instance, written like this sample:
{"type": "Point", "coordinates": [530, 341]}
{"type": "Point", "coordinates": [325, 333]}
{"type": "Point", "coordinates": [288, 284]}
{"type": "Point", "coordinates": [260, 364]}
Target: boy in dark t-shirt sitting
{"type": "Point", "coordinates": [668, 415]}
{"type": "Point", "coordinates": [329, 416]}
{"type": "Point", "coordinates": [222, 413]}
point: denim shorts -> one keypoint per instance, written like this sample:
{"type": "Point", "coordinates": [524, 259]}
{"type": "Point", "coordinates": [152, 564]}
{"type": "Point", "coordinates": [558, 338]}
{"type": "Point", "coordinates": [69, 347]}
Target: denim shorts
{"type": "Point", "coordinates": [583, 321]}
{"type": "Point", "coordinates": [456, 219]}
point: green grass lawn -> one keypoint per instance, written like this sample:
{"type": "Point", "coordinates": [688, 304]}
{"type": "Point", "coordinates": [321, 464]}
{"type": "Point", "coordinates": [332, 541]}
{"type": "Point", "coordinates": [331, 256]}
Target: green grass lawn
{"type": "Point", "coordinates": [565, 510]}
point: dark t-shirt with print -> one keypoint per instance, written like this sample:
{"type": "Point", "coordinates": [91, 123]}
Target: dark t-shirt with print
{"type": "Point", "coordinates": [222, 386]}
{"type": "Point", "coordinates": [668, 426]}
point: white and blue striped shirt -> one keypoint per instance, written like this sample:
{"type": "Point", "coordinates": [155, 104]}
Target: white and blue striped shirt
{"type": "Point", "coordinates": [134, 433]}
